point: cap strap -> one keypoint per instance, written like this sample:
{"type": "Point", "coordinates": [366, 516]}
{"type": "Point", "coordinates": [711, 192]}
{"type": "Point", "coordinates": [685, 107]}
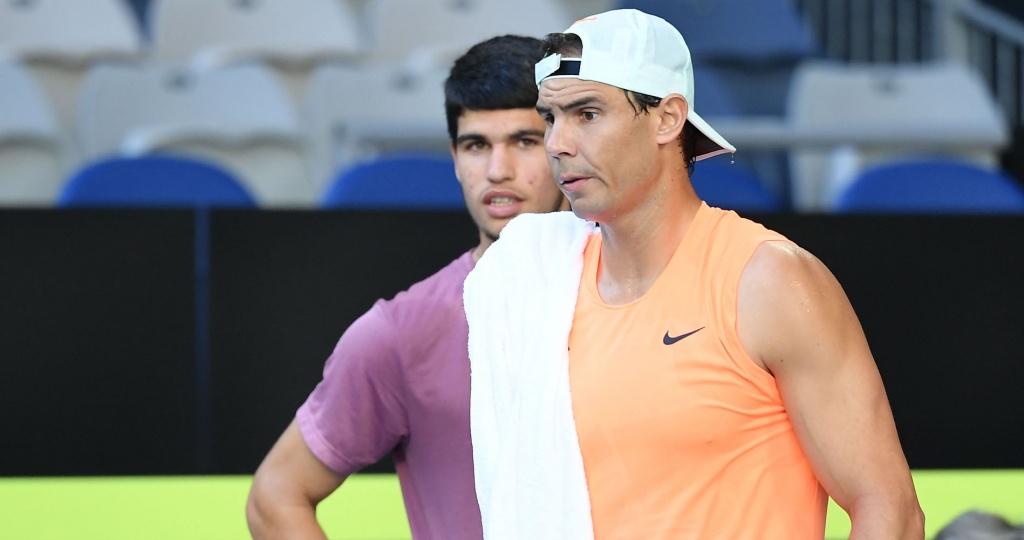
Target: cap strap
{"type": "Point", "coordinates": [568, 68]}
{"type": "Point", "coordinates": [556, 66]}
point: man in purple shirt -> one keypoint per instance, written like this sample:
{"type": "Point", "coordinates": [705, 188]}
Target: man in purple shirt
{"type": "Point", "coordinates": [398, 380]}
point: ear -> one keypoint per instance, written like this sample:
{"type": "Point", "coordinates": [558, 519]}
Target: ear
{"type": "Point", "coordinates": [672, 110]}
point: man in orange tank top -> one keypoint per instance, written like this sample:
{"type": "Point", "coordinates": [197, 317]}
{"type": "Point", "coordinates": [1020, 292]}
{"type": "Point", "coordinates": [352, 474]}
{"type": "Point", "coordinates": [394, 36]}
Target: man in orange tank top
{"type": "Point", "coordinates": [721, 385]}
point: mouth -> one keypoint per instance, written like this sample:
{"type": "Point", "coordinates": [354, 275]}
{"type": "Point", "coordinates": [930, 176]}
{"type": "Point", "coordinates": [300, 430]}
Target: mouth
{"type": "Point", "coordinates": [571, 182]}
{"type": "Point", "coordinates": [502, 201]}
{"type": "Point", "coordinates": [502, 204]}
{"type": "Point", "coordinates": [501, 198]}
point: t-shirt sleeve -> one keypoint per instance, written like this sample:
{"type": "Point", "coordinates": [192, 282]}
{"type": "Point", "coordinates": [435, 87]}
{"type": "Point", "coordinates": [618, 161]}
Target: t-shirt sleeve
{"type": "Point", "coordinates": [356, 414]}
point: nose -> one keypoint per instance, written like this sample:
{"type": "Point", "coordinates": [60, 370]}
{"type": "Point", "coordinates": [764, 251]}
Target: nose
{"type": "Point", "coordinates": [558, 140]}
{"type": "Point", "coordinates": [501, 166]}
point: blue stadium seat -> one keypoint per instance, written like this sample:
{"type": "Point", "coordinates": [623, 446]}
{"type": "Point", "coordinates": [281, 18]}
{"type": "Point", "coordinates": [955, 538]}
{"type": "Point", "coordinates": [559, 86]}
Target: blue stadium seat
{"type": "Point", "coordinates": [931, 186]}
{"type": "Point", "coordinates": [713, 98]}
{"type": "Point", "coordinates": [400, 181]}
{"type": "Point", "coordinates": [754, 30]}
{"type": "Point", "coordinates": [732, 187]}
{"type": "Point", "coordinates": [153, 181]}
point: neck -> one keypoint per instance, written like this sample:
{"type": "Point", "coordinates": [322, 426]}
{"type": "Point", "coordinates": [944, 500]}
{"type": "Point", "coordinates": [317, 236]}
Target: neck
{"type": "Point", "coordinates": [478, 252]}
{"type": "Point", "coordinates": [638, 246]}
{"type": "Point", "coordinates": [485, 242]}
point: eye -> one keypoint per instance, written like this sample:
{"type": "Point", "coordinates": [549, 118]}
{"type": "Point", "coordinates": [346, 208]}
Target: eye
{"type": "Point", "coordinates": [549, 119]}
{"type": "Point", "coordinates": [588, 116]}
{"type": "Point", "coordinates": [527, 143]}
{"type": "Point", "coordinates": [473, 146]}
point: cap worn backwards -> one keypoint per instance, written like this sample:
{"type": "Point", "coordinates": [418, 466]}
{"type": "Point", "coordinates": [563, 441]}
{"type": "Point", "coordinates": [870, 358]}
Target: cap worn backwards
{"type": "Point", "coordinates": [635, 51]}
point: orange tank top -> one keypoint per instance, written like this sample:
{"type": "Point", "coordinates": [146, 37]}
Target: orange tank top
{"type": "Point", "coordinates": [683, 436]}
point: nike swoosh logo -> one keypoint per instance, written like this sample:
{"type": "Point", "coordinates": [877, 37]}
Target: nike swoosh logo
{"type": "Point", "coordinates": [668, 340]}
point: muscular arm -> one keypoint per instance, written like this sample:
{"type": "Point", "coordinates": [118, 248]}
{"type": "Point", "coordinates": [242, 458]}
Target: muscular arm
{"type": "Point", "coordinates": [796, 321]}
{"type": "Point", "coordinates": [287, 486]}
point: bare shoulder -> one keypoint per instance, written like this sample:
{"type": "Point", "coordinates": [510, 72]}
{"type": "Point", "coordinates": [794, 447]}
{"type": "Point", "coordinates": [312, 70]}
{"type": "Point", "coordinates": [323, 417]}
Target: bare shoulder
{"type": "Point", "coordinates": [791, 306]}
{"type": "Point", "coordinates": [778, 263]}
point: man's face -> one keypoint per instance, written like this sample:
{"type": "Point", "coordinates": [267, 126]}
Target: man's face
{"type": "Point", "coordinates": [501, 165]}
{"type": "Point", "coordinates": [602, 154]}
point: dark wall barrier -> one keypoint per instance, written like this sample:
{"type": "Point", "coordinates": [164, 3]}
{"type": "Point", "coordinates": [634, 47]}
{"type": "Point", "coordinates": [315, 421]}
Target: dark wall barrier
{"type": "Point", "coordinates": [941, 300]}
{"type": "Point", "coordinates": [96, 343]}
{"type": "Point", "coordinates": [99, 348]}
{"type": "Point", "coordinates": [285, 286]}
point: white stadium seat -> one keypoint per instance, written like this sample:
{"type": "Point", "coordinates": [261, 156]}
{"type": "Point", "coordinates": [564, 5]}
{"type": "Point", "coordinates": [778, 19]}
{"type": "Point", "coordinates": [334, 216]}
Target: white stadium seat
{"type": "Point", "coordinates": [239, 116]}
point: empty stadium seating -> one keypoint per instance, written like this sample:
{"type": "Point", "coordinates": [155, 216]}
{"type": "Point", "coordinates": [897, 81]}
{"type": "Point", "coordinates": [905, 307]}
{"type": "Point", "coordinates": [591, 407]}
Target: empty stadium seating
{"type": "Point", "coordinates": [875, 113]}
{"type": "Point", "coordinates": [402, 181]}
{"type": "Point", "coordinates": [357, 79]}
{"type": "Point", "coordinates": [59, 40]}
{"type": "Point", "coordinates": [290, 36]}
{"type": "Point", "coordinates": [153, 182]}
{"type": "Point", "coordinates": [931, 186]}
{"type": "Point", "coordinates": [399, 28]}
{"type": "Point", "coordinates": [238, 116]}
{"type": "Point", "coordinates": [354, 112]}
{"type": "Point", "coordinates": [732, 187]}
{"type": "Point", "coordinates": [30, 166]}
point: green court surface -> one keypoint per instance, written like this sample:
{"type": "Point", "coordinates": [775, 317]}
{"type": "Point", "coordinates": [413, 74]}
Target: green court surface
{"type": "Point", "coordinates": [366, 507]}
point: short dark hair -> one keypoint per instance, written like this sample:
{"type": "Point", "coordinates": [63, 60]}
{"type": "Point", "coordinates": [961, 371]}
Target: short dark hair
{"type": "Point", "coordinates": [493, 75]}
{"type": "Point", "coordinates": [572, 46]}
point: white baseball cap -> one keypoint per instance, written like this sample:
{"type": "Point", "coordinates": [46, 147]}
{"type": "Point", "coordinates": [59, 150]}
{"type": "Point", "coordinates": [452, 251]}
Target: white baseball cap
{"type": "Point", "coordinates": [635, 51]}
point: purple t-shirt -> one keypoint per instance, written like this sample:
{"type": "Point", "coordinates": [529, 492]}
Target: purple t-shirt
{"type": "Point", "coordinates": [398, 380]}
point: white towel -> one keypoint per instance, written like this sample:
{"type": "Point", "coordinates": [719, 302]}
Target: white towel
{"type": "Point", "coordinates": [520, 300]}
